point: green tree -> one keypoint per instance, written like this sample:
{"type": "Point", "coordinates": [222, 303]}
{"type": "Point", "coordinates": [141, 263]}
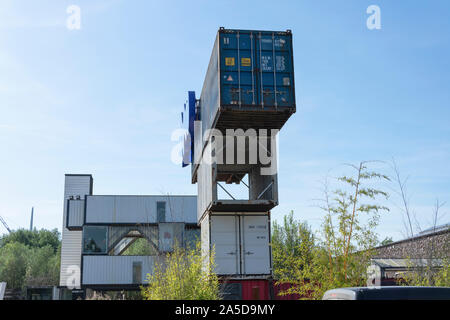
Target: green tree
{"type": "Point", "coordinates": [348, 236]}
{"type": "Point", "coordinates": [433, 268]}
{"type": "Point", "coordinates": [427, 275]}
{"type": "Point", "coordinates": [13, 264]}
{"type": "Point", "coordinates": [140, 247]}
{"type": "Point", "coordinates": [34, 238]}
{"type": "Point", "coordinates": [183, 275]}
{"type": "Point", "coordinates": [30, 258]}
{"type": "Point", "coordinates": [386, 241]}
{"type": "Point", "coordinates": [42, 267]}
{"type": "Point", "coordinates": [292, 243]}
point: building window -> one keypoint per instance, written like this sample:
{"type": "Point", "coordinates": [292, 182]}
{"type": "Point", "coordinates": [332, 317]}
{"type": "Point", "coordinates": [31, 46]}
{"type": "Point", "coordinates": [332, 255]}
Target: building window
{"type": "Point", "coordinates": [95, 240]}
{"type": "Point", "coordinates": [191, 237]}
{"type": "Point", "coordinates": [161, 211]}
{"type": "Point", "coordinates": [137, 272]}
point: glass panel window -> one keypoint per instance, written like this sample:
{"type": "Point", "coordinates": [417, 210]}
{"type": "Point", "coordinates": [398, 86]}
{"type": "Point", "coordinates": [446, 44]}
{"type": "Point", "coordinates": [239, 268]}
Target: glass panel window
{"type": "Point", "coordinates": [161, 211]}
{"type": "Point", "coordinates": [94, 239]}
{"type": "Point", "coordinates": [137, 272]}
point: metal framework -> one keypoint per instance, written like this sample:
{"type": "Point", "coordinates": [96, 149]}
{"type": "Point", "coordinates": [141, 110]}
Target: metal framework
{"type": "Point", "coordinates": [5, 224]}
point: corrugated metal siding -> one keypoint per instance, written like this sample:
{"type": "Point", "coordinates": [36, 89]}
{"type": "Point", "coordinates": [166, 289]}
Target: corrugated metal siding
{"type": "Point", "coordinates": [76, 213]}
{"type": "Point", "coordinates": [204, 235]}
{"type": "Point", "coordinates": [255, 244]}
{"type": "Point", "coordinates": [113, 270]}
{"type": "Point", "coordinates": [139, 209]}
{"type": "Point", "coordinates": [263, 187]}
{"type": "Point", "coordinates": [252, 62]}
{"type": "Point", "coordinates": [249, 289]}
{"type": "Point", "coordinates": [75, 185]}
{"type": "Point", "coordinates": [210, 95]}
{"type": "Point", "coordinates": [181, 209]}
{"type": "Point", "coordinates": [249, 81]}
{"type": "Point", "coordinates": [255, 290]}
{"type": "Point", "coordinates": [225, 240]}
{"type": "Point", "coordinates": [241, 243]}
{"type": "Point", "coordinates": [205, 187]}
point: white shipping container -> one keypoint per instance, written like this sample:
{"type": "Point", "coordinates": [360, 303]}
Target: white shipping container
{"type": "Point", "coordinates": [225, 241]}
{"type": "Point", "coordinates": [125, 209]}
{"type": "Point", "coordinates": [256, 244]}
{"type": "Point", "coordinates": [117, 270]}
{"type": "Point", "coordinates": [241, 243]}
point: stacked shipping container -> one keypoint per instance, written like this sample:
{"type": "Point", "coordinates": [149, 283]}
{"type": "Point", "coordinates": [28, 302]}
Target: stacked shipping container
{"type": "Point", "coordinates": [249, 85]}
{"type": "Point", "coordinates": [241, 243]}
{"type": "Point", "coordinates": [249, 82]}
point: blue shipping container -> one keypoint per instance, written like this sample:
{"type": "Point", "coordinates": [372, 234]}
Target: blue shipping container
{"type": "Point", "coordinates": [250, 81]}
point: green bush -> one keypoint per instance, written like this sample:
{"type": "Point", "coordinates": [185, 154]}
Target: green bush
{"type": "Point", "coordinates": [183, 275]}
{"type": "Point", "coordinates": [13, 264]}
{"type": "Point", "coordinates": [30, 258]}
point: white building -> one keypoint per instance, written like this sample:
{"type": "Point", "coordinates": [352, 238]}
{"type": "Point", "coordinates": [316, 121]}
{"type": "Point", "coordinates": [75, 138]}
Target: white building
{"type": "Point", "coordinates": [97, 230]}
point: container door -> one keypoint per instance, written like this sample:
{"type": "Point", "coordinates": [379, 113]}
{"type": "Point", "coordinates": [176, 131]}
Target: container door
{"type": "Point", "coordinates": [224, 238]}
{"type": "Point", "coordinates": [256, 251]}
{"type": "Point", "coordinates": [275, 69]}
{"type": "Point", "coordinates": [238, 68]}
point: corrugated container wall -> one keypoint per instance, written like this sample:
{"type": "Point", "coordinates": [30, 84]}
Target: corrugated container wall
{"type": "Point", "coordinates": [241, 243]}
{"type": "Point", "coordinates": [113, 209]}
{"type": "Point", "coordinates": [250, 81]}
{"type": "Point", "coordinates": [116, 270]}
{"type": "Point", "coordinates": [75, 214]}
{"type": "Point", "coordinates": [247, 289]}
{"type": "Point", "coordinates": [74, 186]}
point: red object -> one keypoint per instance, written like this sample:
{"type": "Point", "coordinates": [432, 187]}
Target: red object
{"type": "Point", "coordinates": [263, 290]}
{"type": "Point", "coordinates": [253, 289]}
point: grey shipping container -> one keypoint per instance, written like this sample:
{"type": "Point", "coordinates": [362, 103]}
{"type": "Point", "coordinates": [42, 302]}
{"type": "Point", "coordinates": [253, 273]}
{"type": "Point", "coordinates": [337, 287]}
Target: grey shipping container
{"type": "Point", "coordinates": [249, 82]}
{"type": "Point", "coordinates": [116, 271]}
{"type": "Point", "coordinates": [75, 214]}
{"type": "Point", "coordinates": [128, 209]}
{"type": "Point", "coordinates": [241, 243]}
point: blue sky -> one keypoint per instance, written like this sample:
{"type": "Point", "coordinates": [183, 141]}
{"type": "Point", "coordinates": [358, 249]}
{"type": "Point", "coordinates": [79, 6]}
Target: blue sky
{"type": "Point", "coordinates": [105, 99]}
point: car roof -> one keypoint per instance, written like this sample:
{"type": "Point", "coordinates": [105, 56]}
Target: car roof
{"type": "Point", "coordinates": [388, 293]}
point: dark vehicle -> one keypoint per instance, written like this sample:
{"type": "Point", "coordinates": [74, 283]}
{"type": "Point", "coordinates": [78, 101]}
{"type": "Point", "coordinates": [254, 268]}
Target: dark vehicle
{"type": "Point", "coordinates": [389, 293]}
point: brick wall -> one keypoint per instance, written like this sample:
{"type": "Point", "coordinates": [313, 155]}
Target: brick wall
{"type": "Point", "coordinates": [435, 245]}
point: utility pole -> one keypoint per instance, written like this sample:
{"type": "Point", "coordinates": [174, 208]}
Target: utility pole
{"type": "Point", "coordinates": [31, 221]}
